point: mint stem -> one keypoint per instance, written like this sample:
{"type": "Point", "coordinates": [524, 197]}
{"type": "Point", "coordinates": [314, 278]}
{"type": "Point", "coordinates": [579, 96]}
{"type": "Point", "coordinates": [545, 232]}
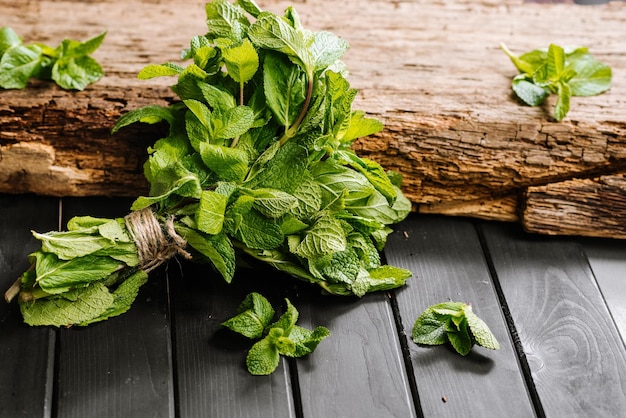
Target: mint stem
{"type": "Point", "coordinates": [305, 108]}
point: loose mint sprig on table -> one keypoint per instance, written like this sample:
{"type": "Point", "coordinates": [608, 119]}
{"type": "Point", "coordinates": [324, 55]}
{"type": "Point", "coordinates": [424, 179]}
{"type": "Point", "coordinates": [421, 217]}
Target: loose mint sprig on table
{"type": "Point", "coordinates": [68, 65]}
{"type": "Point", "coordinates": [565, 72]}
{"type": "Point", "coordinates": [283, 337]}
{"type": "Point", "coordinates": [257, 164]}
{"type": "Point", "coordinates": [456, 323]}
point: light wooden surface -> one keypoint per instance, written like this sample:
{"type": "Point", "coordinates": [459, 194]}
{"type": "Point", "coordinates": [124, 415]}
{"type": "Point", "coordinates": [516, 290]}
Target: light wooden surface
{"type": "Point", "coordinates": [554, 304]}
{"type": "Point", "coordinates": [431, 71]}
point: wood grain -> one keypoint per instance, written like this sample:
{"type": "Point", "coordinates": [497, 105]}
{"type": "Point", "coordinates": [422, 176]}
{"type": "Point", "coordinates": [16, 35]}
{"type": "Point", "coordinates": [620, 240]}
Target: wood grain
{"type": "Point", "coordinates": [446, 259]}
{"type": "Point", "coordinates": [607, 259]}
{"type": "Point", "coordinates": [26, 353]}
{"type": "Point", "coordinates": [121, 367]}
{"type": "Point", "coordinates": [564, 326]}
{"type": "Point", "coordinates": [362, 355]}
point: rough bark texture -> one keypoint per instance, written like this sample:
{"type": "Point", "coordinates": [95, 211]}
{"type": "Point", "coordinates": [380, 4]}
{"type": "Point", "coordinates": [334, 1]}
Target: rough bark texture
{"type": "Point", "coordinates": [432, 72]}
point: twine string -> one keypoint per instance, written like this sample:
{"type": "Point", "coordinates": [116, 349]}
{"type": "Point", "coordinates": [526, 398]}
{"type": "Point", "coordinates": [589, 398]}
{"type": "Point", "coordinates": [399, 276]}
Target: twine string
{"type": "Point", "coordinates": [155, 244]}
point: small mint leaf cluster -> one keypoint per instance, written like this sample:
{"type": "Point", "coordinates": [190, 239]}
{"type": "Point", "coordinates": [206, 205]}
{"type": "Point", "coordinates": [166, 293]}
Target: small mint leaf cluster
{"type": "Point", "coordinates": [69, 64]}
{"type": "Point", "coordinates": [565, 71]}
{"type": "Point", "coordinates": [283, 337]}
{"type": "Point", "coordinates": [453, 322]}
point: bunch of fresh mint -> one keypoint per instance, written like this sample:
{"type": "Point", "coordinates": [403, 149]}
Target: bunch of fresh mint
{"type": "Point", "coordinates": [565, 72]}
{"type": "Point", "coordinates": [69, 64]}
{"type": "Point", "coordinates": [257, 163]}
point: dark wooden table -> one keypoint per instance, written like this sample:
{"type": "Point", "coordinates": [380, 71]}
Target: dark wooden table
{"type": "Point", "coordinates": [557, 306]}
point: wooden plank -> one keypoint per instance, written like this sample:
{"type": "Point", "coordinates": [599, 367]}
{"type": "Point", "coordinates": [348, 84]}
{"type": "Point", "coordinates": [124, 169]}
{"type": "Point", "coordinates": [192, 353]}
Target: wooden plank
{"type": "Point", "coordinates": [446, 259]}
{"type": "Point", "coordinates": [592, 207]}
{"type": "Point", "coordinates": [212, 379]}
{"type": "Point", "coordinates": [359, 370]}
{"type": "Point", "coordinates": [452, 126]}
{"type": "Point", "coordinates": [121, 367]}
{"type": "Point", "coordinates": [607, 259]}
{"type": "Point", "coordinates": [26, 353]}
{"type": "Point", "coordinates": [571, 344]}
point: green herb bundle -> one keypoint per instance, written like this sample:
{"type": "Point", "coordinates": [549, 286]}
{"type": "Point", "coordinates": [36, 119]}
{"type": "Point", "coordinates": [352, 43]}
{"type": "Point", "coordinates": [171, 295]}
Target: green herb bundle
{"type": "Point", "coordinates": [257, 163]}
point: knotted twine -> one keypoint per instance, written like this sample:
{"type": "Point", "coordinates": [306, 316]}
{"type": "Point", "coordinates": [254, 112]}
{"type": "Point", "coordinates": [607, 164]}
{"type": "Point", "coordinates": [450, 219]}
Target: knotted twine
{"type": "Point", "coordinates": [155, 244]}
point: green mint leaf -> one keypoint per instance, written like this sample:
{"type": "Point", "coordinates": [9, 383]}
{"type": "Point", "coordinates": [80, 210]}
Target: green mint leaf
{"type": "Point", "coordinates": [217, 97]}
{"type": "Point", "coordinates": [8, 39]}
{"type": "Point", "coordinates": [529, 92]}
{"type": "Point", "coordinates": [305, 340]}
{"type": "Point", "coordinates": [210, 214]}
{"type": "Point", "coordinates": [232, 123]}
{"type": "Point", "coordinates": [123, 297]}
{"type": "Point", "coordinates": [527, 63]}
{"type": "Point", "coordinates": [592, 77]}
{"type": "Point", "coordinates": [249, 6]}
{"type": "Point", "coordinates": [89, 46]}
{"type": "Point", "coordinates": [272, 203]}
{"type": "Point", "coordinates": [79, 306]}
{"type": "Point", "coordinates": [18, 64]}
{"type": "Point", "coordinates": [148, 114]}
{"type": "Point", "coordinates": [56, 276]}
{"type": "Point", "coordinates": [263, 358]}
{"type": "Point", "coordinates": [360, 126]}
{"type": "Point", "coordinates": [288, 319]}
{"type": "Point", "coordinates": [461, 340]}
{"type": "Point", "coordinates": [324, 238]}
{"type": "Point", "coordinates": [258, 232]}
{"type": "Point", "coordinates": [242, 62]}
{"type": "Point", "coordinates": [254, 315]}
{"type": "Point", "coordinates": [326, 48]}
{"type": "Point", "coordinates": [274, 33]}
{"type": "Point", "coordinates": [218, 249]}
{"type": "Point", "coordinates": [230, 164]}
{"type": "Point", "coordinates": [561, 108]}
{"type": "Point", "coordinates": [226, 20]}
{"type": "Point", "coordinates": [555, 62]}
{"type": "Point", "coordinates": [480, 331]}
{"type": "Point", "coordinates": [159, 70]}
{"type": "Point", "coordinates": [285, 88]}
{"type": "Point", "coordinates": [430, 329]}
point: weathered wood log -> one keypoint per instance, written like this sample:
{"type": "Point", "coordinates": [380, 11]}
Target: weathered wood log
{"type": "Point", "coordinates": [433, 73]}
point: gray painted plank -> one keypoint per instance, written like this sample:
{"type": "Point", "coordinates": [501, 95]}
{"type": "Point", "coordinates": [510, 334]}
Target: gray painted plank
{"type": "Point", "coordinates": [577, 358]}
{"type": "Point", "coordinates": [608, 262]}
{"type": "Point", "coordinates": [121, 367]}
{"type": "Point", "coordinates": [446, 259]}
{"type": "Point", "coordinates": [26, 353]}
{"type": "Point", "coordinates": [212, 379]}
{"type": "Point", "coordinates": [358, 371]}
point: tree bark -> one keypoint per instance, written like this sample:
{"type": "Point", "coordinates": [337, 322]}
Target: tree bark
{"type": "Point", "coordinates": [432, 72]}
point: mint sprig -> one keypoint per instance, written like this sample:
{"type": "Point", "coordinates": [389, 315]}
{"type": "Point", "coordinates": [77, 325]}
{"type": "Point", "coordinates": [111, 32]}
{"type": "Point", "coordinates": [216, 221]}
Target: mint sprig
{"type": "Point", "coordinates": [456, 323]}
{"type": "Point", "coordinates": [565, 72]}
{"type": "Point", "coordinates": [69, 64]}
{"type": "Point", "coordinates": [283, 337]}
